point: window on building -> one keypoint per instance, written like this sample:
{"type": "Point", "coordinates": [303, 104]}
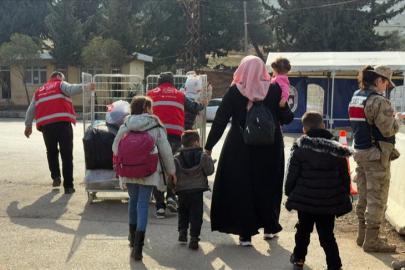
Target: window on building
{"type": "Point", "coordinates": [315, 98]}
{"type": "Point", "coordinates": [36, 75]}
{"type": "Point", "coordinates": [95, 71]}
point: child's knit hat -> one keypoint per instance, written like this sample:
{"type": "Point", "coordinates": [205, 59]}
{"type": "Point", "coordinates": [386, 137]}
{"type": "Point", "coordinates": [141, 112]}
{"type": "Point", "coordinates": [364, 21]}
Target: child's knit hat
{"type": "Point", "coordinates": [193, 87]}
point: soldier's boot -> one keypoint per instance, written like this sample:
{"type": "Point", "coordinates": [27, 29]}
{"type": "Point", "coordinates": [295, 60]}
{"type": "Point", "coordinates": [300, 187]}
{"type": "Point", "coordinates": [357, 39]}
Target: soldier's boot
{"type": "Point", "coordinates": [361, 234]}
{"type": "Point", "coordinates": [372, 243]}
{"type": "Point", "coordinates": [398, 264]}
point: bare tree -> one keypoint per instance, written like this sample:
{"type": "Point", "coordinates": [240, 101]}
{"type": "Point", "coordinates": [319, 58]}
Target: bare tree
{"type": "Point", "coordinates": [20, 53]}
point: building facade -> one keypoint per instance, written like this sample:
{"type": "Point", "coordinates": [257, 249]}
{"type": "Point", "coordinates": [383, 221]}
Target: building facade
{"type": "Point", "coordinates": [12, 90]}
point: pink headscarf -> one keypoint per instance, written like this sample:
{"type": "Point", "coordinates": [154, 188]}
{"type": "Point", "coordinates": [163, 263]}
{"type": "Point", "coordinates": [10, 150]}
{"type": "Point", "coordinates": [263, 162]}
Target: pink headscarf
{"type": "Point", "coordinates": [252, 79]}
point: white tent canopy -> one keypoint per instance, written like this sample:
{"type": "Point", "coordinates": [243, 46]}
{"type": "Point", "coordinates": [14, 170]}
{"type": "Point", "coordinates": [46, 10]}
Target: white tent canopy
{"type": "Point", "coordinates": [333, 63]}
{"type": "Point", "coordinates": [338, 61]}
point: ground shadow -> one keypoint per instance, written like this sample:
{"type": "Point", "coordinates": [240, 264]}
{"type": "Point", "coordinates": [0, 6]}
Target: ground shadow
{"type": "Point", "coordinates": [47, 208]}
{"type": "Point", "coordinates": [44, 207]}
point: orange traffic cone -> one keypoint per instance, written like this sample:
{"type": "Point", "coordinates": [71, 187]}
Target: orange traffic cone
{"type": "Point", "coordinates": [343, 141]}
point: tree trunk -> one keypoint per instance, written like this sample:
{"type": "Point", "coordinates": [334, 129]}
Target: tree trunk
{"type": "Point", "coordinates": [252, 35]}
{"type": "Point", "coordinates": [258, 52]}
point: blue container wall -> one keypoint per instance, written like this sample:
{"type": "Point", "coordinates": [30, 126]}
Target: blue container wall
{"type": "Point", "coordinates": [344, 89]}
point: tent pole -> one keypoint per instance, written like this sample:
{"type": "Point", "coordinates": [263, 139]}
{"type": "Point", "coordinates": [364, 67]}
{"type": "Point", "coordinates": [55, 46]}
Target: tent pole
{"type": "Point", "coordinates": [331, 109]}
{"type": "Point", "coordinates": [328, 101]}
{"type": "Point", "coordinates": [403, 93]}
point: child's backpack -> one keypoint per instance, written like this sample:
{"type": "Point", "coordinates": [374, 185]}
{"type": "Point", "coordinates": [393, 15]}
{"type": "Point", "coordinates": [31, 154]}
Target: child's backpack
{"type": "Point", "coordinates": [137, 155]}
{"type": "Point", "coordinates": [259, 127]}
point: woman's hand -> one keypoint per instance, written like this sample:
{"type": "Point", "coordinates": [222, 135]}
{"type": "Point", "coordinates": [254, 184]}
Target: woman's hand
{"type": "Point", "coordinates": [173, 178]}
{"type": "Point", "coordinates": [208, 152]}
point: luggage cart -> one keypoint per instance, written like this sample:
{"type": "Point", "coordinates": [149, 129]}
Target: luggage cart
{"type": "Point", "coordinates": [109, 88]}
{"type": "Point", "coordinates": [179, 83]}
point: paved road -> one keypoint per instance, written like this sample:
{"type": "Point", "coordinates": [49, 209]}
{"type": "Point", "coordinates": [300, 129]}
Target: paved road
{"type": "Point", "coordinates": [41, 228]}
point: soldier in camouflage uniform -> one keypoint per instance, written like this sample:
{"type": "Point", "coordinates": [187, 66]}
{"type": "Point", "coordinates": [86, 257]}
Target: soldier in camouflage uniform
{"type": "Point", "coordinates": [374, 128]}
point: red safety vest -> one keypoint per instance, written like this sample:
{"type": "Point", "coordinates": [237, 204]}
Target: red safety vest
{"type": "Point", "coordinates": [168, 105]}
{"type": "Point", "coordinates": [51, 105]}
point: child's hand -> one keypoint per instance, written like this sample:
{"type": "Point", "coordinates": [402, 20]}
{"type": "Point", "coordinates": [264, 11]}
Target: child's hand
{"type": "Point", "coordinates": [282, 103]}
{"type": "Point", "coordinates": [214, 160]}
{"type": "Point", "coordinates": [173, 178]}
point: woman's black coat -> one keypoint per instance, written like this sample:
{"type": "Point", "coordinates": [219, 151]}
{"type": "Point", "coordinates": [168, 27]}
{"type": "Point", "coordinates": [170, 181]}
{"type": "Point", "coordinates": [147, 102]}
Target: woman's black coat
{"type": "Point", "coordinates": [249, 179]}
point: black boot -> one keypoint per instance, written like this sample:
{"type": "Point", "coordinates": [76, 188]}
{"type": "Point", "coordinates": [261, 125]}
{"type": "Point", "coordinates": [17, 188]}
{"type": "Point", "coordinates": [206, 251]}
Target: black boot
{"type": "Point", "coordinates": [131, 236]}
{"type": "Point", "coordinates": [194, 242]}
{"type": "Point", "coordinates": [138, 244]}
{"type": "Point", "coordinates": [298, 264]}
{"type": "Point", "coordinates": [183, 235]}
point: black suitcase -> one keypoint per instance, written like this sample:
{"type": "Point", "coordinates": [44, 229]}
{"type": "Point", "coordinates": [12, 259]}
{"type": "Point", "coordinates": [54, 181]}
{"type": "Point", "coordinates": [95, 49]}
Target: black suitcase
{"type": "Point", "coordinates": [97, 142]}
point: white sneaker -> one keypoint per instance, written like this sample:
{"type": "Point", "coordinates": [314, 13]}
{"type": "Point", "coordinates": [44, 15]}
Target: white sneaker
{"type": "Point", "coordinates": [172, 205]}
{"type": "Point", "coordinates": [160, 213]}
{"type": "Point", "coordinates": [268, 236]}
{"type": "Point", "coordinates": [244, 243]}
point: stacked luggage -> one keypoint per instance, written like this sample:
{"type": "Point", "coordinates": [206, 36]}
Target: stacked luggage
{"type": "Point", "coordinates": [97, 142]}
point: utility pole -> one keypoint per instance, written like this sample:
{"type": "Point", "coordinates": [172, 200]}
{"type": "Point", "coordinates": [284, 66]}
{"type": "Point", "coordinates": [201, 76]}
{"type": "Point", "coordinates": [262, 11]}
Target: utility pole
{"type": "Point", "coordinates": [191, 9]}
{"type": "Point", "coordinates": [246, 35]}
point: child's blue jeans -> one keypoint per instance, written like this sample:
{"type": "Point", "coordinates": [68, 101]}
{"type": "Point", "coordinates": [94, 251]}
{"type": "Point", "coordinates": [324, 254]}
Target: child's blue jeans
{"type": "Point", "coordinates": [139, 197]}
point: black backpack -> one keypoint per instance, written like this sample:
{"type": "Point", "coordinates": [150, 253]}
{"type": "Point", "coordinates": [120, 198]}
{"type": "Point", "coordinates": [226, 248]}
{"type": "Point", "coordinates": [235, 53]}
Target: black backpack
{"type": "Point", "coordinates": [259, 127]}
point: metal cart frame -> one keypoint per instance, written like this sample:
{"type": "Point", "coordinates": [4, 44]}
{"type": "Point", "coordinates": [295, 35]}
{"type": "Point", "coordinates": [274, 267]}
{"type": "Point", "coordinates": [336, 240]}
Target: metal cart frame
{"type": "Point", "coordinates": [109, 88]}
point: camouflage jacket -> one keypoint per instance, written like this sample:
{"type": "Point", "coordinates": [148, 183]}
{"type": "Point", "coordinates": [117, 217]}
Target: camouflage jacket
{"type": "Point", "coordinates": [378, 111]}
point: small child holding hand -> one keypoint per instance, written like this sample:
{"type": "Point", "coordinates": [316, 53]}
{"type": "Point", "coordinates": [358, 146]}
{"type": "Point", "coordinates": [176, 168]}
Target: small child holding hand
{"type": "Point", "coordinates": [192, 168]}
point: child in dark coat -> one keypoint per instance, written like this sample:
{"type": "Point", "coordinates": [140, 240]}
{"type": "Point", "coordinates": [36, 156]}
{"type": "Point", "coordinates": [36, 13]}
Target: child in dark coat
{"type": "Point", "coordinates": [318, 187]}
{"type": "Point", "coordinates": [192, 90]}
{"type": "Point", "coordinates": [192, 168]}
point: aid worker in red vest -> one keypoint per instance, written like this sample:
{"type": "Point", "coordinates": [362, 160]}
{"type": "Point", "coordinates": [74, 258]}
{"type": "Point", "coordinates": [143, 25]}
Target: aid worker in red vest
{"type": "Point", "coordinates": [54, 113]}
{"type": "Point", "coordinates": [169, 105]}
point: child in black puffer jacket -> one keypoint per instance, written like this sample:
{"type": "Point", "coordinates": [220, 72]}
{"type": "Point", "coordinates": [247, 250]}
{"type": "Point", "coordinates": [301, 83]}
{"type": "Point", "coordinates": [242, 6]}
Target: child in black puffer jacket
{"type": "Point", "coordinates": [318, 187]}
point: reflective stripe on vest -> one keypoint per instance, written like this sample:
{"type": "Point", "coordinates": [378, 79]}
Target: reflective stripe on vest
{"type": "Point", "coordinates": [168, 103]}
{"type": "Point", "coordinates": [174, 127]}
{"type": "Point", "coordinates": [55, 115]}
{"type": "Point", "coordinates": [53, 97]}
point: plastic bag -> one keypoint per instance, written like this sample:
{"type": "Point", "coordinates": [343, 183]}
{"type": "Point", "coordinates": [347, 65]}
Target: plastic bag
{"type": "Point", "coordinates": [99, 175]}
{"type": "Point", "coordinates": [117, 112]}
{"type": "Point", "coordinates": [101, 179]}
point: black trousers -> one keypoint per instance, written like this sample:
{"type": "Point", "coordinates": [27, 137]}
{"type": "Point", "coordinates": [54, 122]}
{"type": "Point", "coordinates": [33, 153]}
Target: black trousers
{"type": "Point", "coordinates": [175, 144]}
{"type": "Point", "coordinates": [324, 225]}
{"type": "Point", "coordinates": [59, 134]}
{"type": "Point", "coordinates": [191, 212]}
